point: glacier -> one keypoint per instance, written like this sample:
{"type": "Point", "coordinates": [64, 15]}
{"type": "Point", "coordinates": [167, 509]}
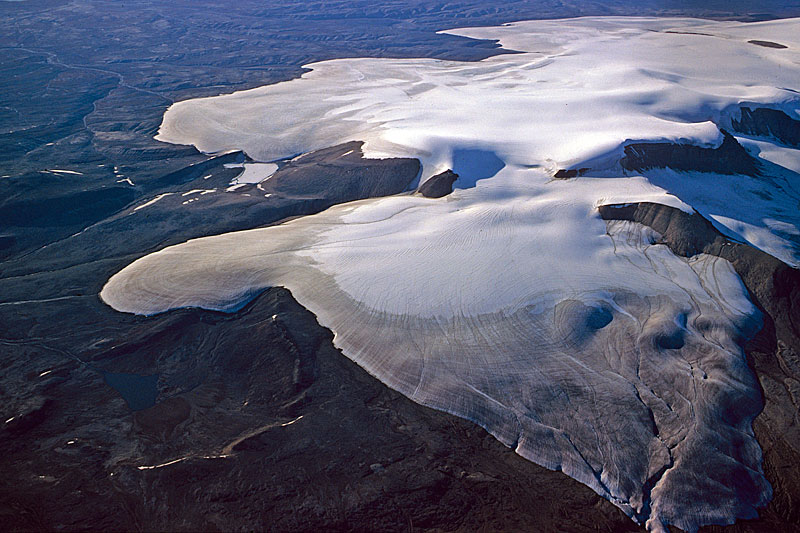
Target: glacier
{"type": "Point", "coordinates": [585, 345]}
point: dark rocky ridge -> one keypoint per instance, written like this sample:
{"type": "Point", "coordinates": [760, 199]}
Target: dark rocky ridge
{"type": "Point", "coordinates": [565, 174]}
{"type": "Point", "coordinates": [769, 123]}
{"type": "Point", "coordinates": [730, 157]}
{"type": "Point", "coordinates": [768, 44]}
{"type": "Point", "coordinates": [341, 174]}
{"type": "Point", "coordinates": [773, 353]}
{"type": "Point", "coordinates": [439, 185]}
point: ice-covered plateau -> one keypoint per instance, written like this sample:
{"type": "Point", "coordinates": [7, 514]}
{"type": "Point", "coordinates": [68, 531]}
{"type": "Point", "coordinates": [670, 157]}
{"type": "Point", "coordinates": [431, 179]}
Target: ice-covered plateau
{"type": "Point", "coordinates": [584, 345]}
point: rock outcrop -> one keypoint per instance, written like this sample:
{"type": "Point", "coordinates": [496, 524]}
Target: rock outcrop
{"type": "Point", "coordinates": [341, 174]}
{"type": "Point", "coordinates": [728, 158]}
{"type": "Point", "coordinates": [439, 185]}
{"type": "Point", "coordinates": [770, 123]}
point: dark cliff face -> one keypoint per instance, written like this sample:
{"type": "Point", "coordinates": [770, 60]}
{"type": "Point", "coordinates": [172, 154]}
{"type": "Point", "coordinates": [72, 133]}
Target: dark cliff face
{"type": "Point", "coordinates": [439, 185]}
{"type": "Point", "coordinates": [563, 173]}
{"type": "Point", "coordinates": [773, 353]}
{"type": "Point", "coordinates": [768, 44]}
{"type": "Point", "coordinates": [770, 123]}
{"type": "Point", "coordinates": [341, 174]}
{"type": "Point", "coordinates": [729, 158]}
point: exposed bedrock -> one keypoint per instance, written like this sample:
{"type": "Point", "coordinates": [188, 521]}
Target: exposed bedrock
{"type": "Point", "coordinates": [341, 174]}
{"type": "Point", "coordinates": [728, 158]}
{"type": "Point", "coordinates": [770, 123]}
{"type": "Point", "coordinates": [768, 44]}
{"type": "Point", "coordinates": [564, 173]}
{"type": "Point", "coordinates": [439, 185]}
{"type": "Point", "coordinates": [773, 352]}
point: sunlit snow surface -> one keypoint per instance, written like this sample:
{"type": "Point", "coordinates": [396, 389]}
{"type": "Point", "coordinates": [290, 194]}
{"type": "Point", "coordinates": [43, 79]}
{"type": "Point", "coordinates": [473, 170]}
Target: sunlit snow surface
{"type": "Point", "coordinates": [581, 344]}
{"type": "Point", "coordinates": [252, 172]}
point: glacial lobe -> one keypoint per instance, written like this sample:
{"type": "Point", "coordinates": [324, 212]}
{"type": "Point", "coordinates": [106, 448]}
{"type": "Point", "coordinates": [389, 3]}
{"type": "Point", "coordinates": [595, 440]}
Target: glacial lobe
{"type": "Point", "coordinates": [587, 345]}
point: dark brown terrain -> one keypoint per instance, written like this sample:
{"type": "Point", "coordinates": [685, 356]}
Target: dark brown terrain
{"type": "Point", "coordinates": [274, 430]}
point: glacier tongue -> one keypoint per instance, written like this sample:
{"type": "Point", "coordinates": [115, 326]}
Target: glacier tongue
{"type": "Point", "coordinates": [583, 344]}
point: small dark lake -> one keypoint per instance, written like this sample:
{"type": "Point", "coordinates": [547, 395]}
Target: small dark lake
{"type": "Point", "coordinates": [138, 391]}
